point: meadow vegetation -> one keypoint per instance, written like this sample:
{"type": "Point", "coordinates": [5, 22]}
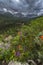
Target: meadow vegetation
{"type": "Point", "coordinates": [22, 42]}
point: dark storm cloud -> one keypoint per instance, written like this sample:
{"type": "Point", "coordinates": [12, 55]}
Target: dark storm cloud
{"type": "Point", "coordinates": [23, 6]}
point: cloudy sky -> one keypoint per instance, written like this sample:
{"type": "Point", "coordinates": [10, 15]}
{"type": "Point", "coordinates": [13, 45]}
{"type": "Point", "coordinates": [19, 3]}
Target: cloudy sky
{"type": "Point", "coordinates": [22, 6]}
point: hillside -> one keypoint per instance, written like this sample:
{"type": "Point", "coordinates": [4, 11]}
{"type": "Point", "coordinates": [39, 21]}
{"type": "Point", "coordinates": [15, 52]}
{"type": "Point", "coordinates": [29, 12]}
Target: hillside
{"type": "Point", "coordinates": [22, 42]}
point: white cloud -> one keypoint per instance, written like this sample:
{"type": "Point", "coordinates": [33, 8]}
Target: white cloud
{"type": "Point", "coordinates": [10, 11]}
{"type": "Point", "coordinates": [16, 1]}
{"type": "Point", "coordinates": [4, 9]}
{"type": "Point", "coordinates": [22, 6]}
{"type": "Point", "coordinates": [37, 2]}
{"type": "Point", "coordinates": [15, 12]}
{"type": "Point", "coordinates": [40, 13]}
{"type": "Point", "coordinates": [24, 13]}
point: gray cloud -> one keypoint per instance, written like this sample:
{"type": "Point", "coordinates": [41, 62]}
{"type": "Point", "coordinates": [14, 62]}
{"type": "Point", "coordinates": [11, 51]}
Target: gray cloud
{"type": "Point", "coordinates": [25, 7]}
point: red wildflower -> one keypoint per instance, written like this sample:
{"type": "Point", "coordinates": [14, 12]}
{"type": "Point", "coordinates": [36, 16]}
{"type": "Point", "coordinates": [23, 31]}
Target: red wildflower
{"type": "Point", "coordinates": [19, 46]}
{"type": "Point", "coordinates": [19, 33]}
{"type": "Point", "coordinates": [41, 37]}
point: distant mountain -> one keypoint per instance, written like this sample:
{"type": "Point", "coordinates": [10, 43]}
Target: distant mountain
{"type": "Point", "coordinates": [8, 18]}
{"type": "Point", "coordinates": [18, 15]}
{"type": "Point", "coordinates": [19, 11]}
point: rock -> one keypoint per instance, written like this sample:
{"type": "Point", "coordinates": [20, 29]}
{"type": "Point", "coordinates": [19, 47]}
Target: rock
{"type": "Point", "coordinates": [4, 46]}
{"type": "Point", "coordinates": [7, 45]}
{"type": "Point", "coordinates": [1, 44]}
{"type": "Point", "coordinates": [17, 63]}
{"type": "Point", "coordinates": [8, 38]}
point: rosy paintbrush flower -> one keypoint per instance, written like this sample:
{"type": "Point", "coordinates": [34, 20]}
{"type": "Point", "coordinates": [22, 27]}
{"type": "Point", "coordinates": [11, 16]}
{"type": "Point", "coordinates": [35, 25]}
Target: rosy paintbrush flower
{"type": "Point", "coordinates": [41, 37]}
{"type": "Point", "coordinates": [19, 46]}
{"type": "Point", "coordinates": [19, 33]}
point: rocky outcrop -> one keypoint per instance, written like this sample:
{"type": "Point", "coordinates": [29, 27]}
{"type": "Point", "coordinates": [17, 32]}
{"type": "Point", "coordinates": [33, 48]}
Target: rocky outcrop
{"type": "Point", "coordinates": [17, 63]}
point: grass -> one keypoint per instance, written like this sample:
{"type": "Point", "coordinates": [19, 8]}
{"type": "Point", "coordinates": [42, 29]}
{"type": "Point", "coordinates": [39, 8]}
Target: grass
{"type": "Point", "coordinates": [23, 39]}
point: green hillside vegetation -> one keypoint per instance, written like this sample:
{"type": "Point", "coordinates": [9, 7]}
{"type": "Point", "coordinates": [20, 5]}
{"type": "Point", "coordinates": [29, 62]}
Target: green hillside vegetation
{"type": "Point", "coordinates": [26, 41]}
{"type": "Point", "coordinates": [7, 18]}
